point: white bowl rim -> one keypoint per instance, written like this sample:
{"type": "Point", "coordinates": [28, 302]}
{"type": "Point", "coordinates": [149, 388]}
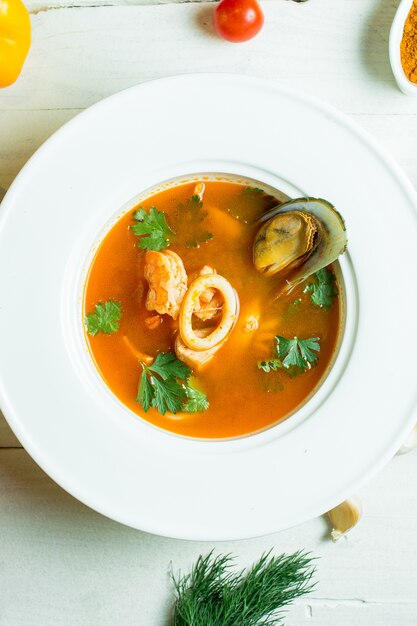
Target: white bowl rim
{"type": "Point", "coordinates": [83, 360]}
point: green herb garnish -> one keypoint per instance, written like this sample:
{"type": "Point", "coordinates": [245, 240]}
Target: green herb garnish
{"type": "Point", "coordinates": [164, 386]}
{"type": "Point", "coordinates": [214, 595]}
{"type": "Point", "coordinates": [105, 318]}
{"type": "Point", "coordinates": [188, 222]}
{"type": "Point", "coordinates": [295, 355]}
{"type": "Point", "coordinates": [152, 228]}
{"type": "Point", "coordinates": [292, 309]}
{"type": "Point", "coordinates": [267, 366]}
{"type": "Point", "coordinates": [272, 384]}
{"type": "Point", "coordinates": [297, 352]}
{"type": "Point", "coordinates": [196, 401]}
{"type": "Point", "coordinates": [253, 190]}
{"type": "Point", "coordinates": [322, 291]}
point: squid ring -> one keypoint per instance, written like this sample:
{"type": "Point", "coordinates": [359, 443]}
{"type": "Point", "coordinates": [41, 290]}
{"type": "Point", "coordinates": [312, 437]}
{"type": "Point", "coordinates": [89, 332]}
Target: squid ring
{"type": "Point", "coordinates": [188, 305]}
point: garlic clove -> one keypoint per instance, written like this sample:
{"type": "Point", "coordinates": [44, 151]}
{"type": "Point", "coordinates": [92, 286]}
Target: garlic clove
{"type": "Point", "coordinates": [410, 443]}
{"type": "Point", "coordinates": [344, 517]}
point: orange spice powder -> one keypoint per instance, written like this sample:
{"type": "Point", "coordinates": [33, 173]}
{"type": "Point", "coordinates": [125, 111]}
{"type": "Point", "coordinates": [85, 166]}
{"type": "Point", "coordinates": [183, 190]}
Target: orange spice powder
{"type": "Point", "coordinates": [409, 45]}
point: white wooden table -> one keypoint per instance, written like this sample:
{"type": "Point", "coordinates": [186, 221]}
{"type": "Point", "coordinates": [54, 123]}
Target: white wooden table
{"type": "Point", "coordinates": [63, 564]}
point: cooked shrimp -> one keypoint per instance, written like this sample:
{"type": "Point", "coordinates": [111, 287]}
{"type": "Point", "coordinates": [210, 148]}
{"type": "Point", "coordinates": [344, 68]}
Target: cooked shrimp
{"type": "Point", "coordinates": [167, 280]}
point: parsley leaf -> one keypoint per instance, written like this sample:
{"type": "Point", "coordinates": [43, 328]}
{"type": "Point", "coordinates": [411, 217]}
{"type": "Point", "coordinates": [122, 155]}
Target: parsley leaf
{"type": "Point", "coordinates": [294, 355]}
{"type": "Point", "coordinates": [292, 309]}
{"type": "Point", "coordinates": [169, 395]}
{"type": "Point", "coordinates": [152, 228]}
{"type": "Point", "coordinates": [267, 366]}
{"type": "Point", "coordinates": [145, 392]}
{"type": "Point", "coordinates": [197, 401]}
{"type": "Point", "coordinates": [167, 366]}
{"type": "Point", "coordinates": [188, 221]}
{"type": "Point", "coordinates": [164, 386]}
{"type": "Point", "coordinates": [105, 318]}
{"type": "Point", "coordinates": [308, 347]}
{"type": "Point", "coordinates": [296, 352]}
{"type": "Point", "coordinates": [322, 291]}
{"type": "Point", "coordinates": [253, 190]}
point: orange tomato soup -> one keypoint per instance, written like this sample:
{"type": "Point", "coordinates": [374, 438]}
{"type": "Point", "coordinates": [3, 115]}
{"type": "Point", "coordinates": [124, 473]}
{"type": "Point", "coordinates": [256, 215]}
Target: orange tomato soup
{"type": "Point", "coordinates": [243, 398]}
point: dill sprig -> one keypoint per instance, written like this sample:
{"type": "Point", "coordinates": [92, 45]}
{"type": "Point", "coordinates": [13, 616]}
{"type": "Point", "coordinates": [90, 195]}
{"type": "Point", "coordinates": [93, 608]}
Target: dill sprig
{"type": "Point", "coordinates": [215, 595]}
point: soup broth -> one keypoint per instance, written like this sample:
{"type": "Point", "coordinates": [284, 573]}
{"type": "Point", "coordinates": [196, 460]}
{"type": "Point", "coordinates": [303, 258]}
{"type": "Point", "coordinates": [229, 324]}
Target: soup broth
{"type": "Point", "coordinates": [243, 398]}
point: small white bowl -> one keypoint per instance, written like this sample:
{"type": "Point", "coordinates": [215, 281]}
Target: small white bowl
{"type": "Point", "coordinates": [395, 37]}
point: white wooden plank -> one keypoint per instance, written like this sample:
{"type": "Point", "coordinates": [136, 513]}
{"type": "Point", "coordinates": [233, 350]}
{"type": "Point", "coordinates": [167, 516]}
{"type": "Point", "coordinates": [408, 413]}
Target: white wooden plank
{"type": "Point", "coordinates": [355, 614]}
{"type": "Point", "coordinates": [63, 564]}
{"type": "Point", "coordinates": [7, 437]}
{"type": "Point", "coordinates": [35, 6]}
{"type": "Point", "coordinates": [338, 53]}
{"type": "Point", "coordinates": [38, 6]}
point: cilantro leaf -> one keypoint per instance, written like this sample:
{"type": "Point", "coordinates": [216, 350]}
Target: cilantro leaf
{"type": "Point", "coordinates": [289, 353]}
{"type": "Point", "coordinates": [188, 221]}
{"type": "Point", "coordinates": [105, 318]}
{"type": "Point", "coordinates": [308, 347]}
{"type": "Point", "coordinates": [294, 355]}
{"type": "Point", "coordinates": [145, 392]}
{"type": "Point", "coordinates": [164, 386]}
{"type": "Point", "coordinates": [168, 367]}
{"type": "Point", "coordinates": [152, 228]}
{"type": "Point", "coordinates": [169, 395]}
{"type": "Point", "coordinates": [292, 309]}
{"type": "Point", "coordinates": [196, 400]}
{"type": "Point", "coordinates": [299, 353]}
{"type": "Point", "coordinates": [253, 190]}
{"type": "Point", "coordinates": [322, 291]}
{"type": "Point", "coordinates": [267, 366]}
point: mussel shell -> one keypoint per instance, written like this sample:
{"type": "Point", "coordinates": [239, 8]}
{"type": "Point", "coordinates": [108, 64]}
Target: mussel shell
{"type": "Point", "coordinates": [332, 241]}
{"type": "Point", "coordinates": [285, 241]}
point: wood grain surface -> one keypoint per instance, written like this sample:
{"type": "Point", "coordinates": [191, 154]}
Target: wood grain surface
{"type": "Point", "coordinates": [62, 564]}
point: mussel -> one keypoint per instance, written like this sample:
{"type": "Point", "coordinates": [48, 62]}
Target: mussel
{"type": "Point", "coordinates": [302, 235]}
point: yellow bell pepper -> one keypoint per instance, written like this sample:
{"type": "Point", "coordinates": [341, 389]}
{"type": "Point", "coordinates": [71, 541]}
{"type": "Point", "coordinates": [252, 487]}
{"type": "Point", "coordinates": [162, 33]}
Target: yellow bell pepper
{"type": "Point", "coordinates": [14, 39]}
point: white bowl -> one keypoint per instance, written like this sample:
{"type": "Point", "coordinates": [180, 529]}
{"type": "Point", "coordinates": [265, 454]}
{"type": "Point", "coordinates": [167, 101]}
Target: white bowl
{"type": "Point", "coordinates": [395, 37]}
{"type": "Point", "coordinates": [50, 392]}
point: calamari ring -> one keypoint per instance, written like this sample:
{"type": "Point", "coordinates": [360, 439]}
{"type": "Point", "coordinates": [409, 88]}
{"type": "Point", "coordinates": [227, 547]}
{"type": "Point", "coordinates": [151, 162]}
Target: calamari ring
{"type": "Point", "coordinates": [189, 303]}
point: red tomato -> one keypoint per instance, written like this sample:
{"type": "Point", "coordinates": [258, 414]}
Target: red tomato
{"type": "Point", "coordinates": [238, 20]}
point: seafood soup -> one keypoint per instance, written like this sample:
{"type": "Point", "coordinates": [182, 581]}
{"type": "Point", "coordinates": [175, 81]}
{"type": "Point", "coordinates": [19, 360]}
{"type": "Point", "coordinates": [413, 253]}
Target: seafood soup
{"type": "Point", "coordinates": [213, 310]}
